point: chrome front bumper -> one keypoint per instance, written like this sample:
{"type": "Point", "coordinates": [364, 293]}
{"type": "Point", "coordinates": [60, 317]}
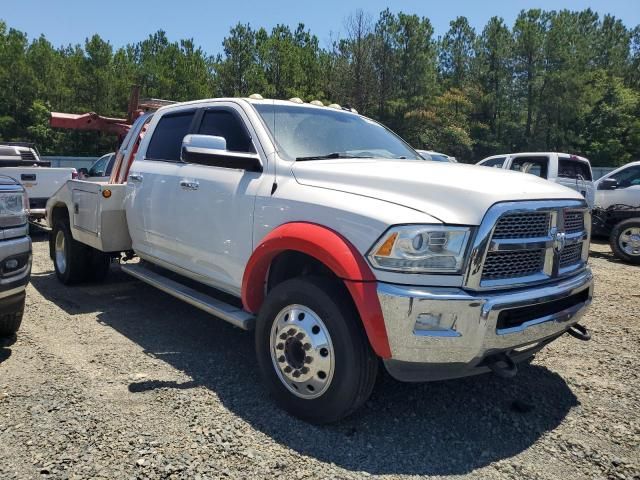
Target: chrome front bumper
{"type": "Point", "coordinates": [473, 333]}
{"type": "Point", "coordinates": [15, 281]}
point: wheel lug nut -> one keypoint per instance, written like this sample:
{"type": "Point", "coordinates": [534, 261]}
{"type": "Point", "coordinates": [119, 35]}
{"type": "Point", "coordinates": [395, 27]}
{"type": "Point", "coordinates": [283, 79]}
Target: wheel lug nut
{"type": "Point", "coordinates": [304, 369]}
{"type": "Point", "coordinates": [307, 346]}
{"type": "Point", "coordinates": [280, 346]}
{"type": "Point", "coordinates": [283, 336]}
{"type": "Point", "coordinates": [281, 358]}
{"type": "Point", "coordinates": [308, 359]}
{"type": "Point", "coordinates": [300, 336]}
{"type": "Point", "coordinates": [296, 373]}
{"type": "Point", "coordinates": [287, 369]}
{"type": "Point", "coordinates": [291, 331]}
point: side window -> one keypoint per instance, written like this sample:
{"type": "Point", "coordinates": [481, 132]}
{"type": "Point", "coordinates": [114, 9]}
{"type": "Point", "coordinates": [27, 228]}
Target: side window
{"type": "Point", "coordinates": [112, 160]}
{"type": "Point", "coordinates": [538, 166]}
{"type": "Point", "coordinates": [168, 135]}
{"type": "Point", "coordinates": [573, 169]}
{"type": "Point", "coordinates": [494, 162]}
{"type": "Point", "coordinates": [98, 168]}
{"type": "Point", "coordinates": [628, 177]}
{"type": "Point", "coordinates": [223, 123]}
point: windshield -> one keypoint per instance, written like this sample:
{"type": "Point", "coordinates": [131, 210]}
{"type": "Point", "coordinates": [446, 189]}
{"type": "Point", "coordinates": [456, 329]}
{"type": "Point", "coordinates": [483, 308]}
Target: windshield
{"type": "Point", "coordinates": [311, 133]}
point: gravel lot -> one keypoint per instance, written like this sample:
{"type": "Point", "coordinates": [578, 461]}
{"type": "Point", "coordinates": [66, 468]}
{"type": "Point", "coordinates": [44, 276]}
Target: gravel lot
{"type": "Point", "coordinates": [122, 381]}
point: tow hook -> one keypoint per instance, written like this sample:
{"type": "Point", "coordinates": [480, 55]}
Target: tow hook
{"type": "Point", "coordinates": [502, 365]}
{"type": "Point", "coordinates": [580, 332]}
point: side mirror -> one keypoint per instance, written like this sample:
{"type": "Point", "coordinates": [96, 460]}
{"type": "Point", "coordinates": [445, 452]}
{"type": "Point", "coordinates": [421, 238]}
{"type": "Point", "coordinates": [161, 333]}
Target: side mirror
{"type": "Point", "coordinates": [210, 142]}
{"type": "Point", "coordinates": [212, 151]}
{"type": "Point", "coordinates": [83, 172]}
{"type": "Point", "coordinates": [608, 184]}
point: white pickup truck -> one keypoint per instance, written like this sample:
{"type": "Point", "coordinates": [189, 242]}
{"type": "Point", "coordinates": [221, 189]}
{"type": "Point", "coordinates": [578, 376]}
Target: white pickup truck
{"type": "Point", "coordinates": [571, 171]}
{"type": "Point", "coordinates": [21, 161]}
{"type": "Point", "coordinates": [332, 238]}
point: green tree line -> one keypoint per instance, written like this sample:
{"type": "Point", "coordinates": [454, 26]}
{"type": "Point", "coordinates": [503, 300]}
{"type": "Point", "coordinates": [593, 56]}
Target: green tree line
{"type": "Point", "coordinates": [554, 80]}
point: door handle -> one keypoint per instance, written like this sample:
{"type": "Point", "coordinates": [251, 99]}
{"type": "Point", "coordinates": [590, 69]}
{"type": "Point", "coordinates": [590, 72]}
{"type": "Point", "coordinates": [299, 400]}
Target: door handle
{"type": "Point", "coordinates": [135, 177]}
{"type": "Point", "coordinates": [187, 185]}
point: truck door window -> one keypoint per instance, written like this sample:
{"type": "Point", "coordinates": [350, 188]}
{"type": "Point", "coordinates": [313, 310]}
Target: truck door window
{"type": "Point", "coordinates": [223, 123]}
{"type": "Point", "coordinates": [168, 135]}
{"type": "Point", "coordinates": [538, 166]}
{"type": "Point", "coordinates": [110, 163]}
{"type": "Point", "coordinates": [574, 169]}
{"type": "Point", "coordinates": [98, 168]}
{"type": "Point", "coordinates": [494, 162]}
{"type": "Point", "coordinates": [627, 177]}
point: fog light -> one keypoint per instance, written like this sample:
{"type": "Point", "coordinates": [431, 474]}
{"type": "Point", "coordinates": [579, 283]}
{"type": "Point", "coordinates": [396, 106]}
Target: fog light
{"type": "Point", "coordinates": [437, 324]}
{"type": "Point", "coordinates": [11, 264]}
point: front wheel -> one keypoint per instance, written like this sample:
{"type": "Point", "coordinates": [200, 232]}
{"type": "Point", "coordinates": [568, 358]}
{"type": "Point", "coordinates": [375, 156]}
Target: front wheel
{"type": "Point", "coordinates": [625, 240]}
{"type": "Point", "coordinates": [312, 351]}
{"type": "Point", "coordinates": [11, 315]}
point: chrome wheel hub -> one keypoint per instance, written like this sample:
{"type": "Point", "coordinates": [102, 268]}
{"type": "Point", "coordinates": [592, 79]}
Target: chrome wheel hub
{"type": "Point", "coordinates": [629, 241]}
{"type": "Point", "coordinates": [302, 352]}
{"type": "Point", "coordinates": [61, 259]}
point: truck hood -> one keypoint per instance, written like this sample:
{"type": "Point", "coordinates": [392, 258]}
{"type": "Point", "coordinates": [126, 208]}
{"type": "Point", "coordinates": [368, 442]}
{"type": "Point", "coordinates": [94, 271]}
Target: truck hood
{"type": "Point", "coordinates": [453, 193]}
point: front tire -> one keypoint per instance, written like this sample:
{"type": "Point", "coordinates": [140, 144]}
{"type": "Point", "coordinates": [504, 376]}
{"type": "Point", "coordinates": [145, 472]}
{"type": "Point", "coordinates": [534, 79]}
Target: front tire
{"type": "Point", "coordinates": [625, 241]}
{"type": "Point", "coordinates": [11, 319]}
{"type": "Point", "coordinates": [312, 351]}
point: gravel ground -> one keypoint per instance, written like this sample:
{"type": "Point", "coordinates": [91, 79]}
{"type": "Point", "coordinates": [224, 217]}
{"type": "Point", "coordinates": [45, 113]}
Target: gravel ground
{"type": "Point", "coordinates": [122, 381]}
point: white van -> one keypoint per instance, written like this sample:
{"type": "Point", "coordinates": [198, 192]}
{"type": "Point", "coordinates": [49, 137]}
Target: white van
{"type": "Point", "coordinates": [569, 170]}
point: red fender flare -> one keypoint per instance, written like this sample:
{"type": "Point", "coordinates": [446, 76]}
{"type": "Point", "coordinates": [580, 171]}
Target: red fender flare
{"type": "Point", "coordinates": [334, 251]}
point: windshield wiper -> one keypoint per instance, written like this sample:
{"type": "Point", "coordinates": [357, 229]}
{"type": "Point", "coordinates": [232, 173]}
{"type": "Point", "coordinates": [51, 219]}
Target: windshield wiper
{"type": "Point", "coordinates": [329, 156]}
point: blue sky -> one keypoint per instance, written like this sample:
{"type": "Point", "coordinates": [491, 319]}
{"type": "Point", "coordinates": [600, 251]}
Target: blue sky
{"type": "Point", "coordinates": [121, 22]}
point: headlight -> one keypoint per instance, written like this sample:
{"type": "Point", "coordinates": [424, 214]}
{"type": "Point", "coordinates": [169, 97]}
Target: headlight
{"type": "Point", "coordinates": [421, 249]}
{"type": "Point", "coordinates": [13, 209]}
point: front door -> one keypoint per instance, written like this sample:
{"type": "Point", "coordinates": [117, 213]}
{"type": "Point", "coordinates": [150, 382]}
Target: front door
{"type": "Point", "coordinates": [627, 192]}
{"type": "Point", "coordinates": [215, 206]}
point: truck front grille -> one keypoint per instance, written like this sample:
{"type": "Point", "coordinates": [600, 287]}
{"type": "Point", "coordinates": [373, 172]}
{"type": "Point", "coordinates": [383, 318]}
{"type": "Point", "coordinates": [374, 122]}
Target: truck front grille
{"type": "Point", "coordinates": [571, 255]}
{"type": "Point", "coordinates": [522, 225]}
{"type": "Point", "coordinates": [524, 242]}
{"type": "Point", "coordinates": [573, 221]}
{"type": "Point", "coordinates": [512, 264]}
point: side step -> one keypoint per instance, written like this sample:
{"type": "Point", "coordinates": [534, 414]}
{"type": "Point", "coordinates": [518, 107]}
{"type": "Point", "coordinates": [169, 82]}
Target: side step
{"type": "Point", "coordinates": [229, 313]}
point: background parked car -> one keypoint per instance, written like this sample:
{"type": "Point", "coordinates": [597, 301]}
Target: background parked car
{"type": "Point", "coordinates": [101, 169]}
{"type": "Point", "coordinates": [436, 156]}
{"type": "Point", "coordinates": [617, 212]}
{"type": "Point", "coordinates": [569, 170]}
{"type": "Point", "coordinates": [15, 254]}
{"type": "Point", "coordinates": [21, 161]}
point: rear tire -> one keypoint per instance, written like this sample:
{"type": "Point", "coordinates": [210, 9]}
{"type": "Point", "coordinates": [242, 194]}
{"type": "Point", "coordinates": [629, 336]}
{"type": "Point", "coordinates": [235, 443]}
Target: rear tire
{"type": "Point", "coordinates": [309, 326]}
{"type": "Point", "coordinates": [70, 257]}
{"type": "Point", "coordinates": [625, 241]}
{"type": "Point", "coordinates": [11, 320]}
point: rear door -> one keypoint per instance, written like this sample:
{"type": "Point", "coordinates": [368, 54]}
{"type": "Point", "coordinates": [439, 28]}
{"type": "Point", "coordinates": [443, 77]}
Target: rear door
{"type": "Point", "coordinates": [575, 173]}
{"type": "Point", "coordinates": [152, 187]}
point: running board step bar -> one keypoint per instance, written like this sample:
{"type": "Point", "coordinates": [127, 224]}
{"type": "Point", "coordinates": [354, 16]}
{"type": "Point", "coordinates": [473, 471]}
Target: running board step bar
{"type": "Point", "coordinates": [229, 313]}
